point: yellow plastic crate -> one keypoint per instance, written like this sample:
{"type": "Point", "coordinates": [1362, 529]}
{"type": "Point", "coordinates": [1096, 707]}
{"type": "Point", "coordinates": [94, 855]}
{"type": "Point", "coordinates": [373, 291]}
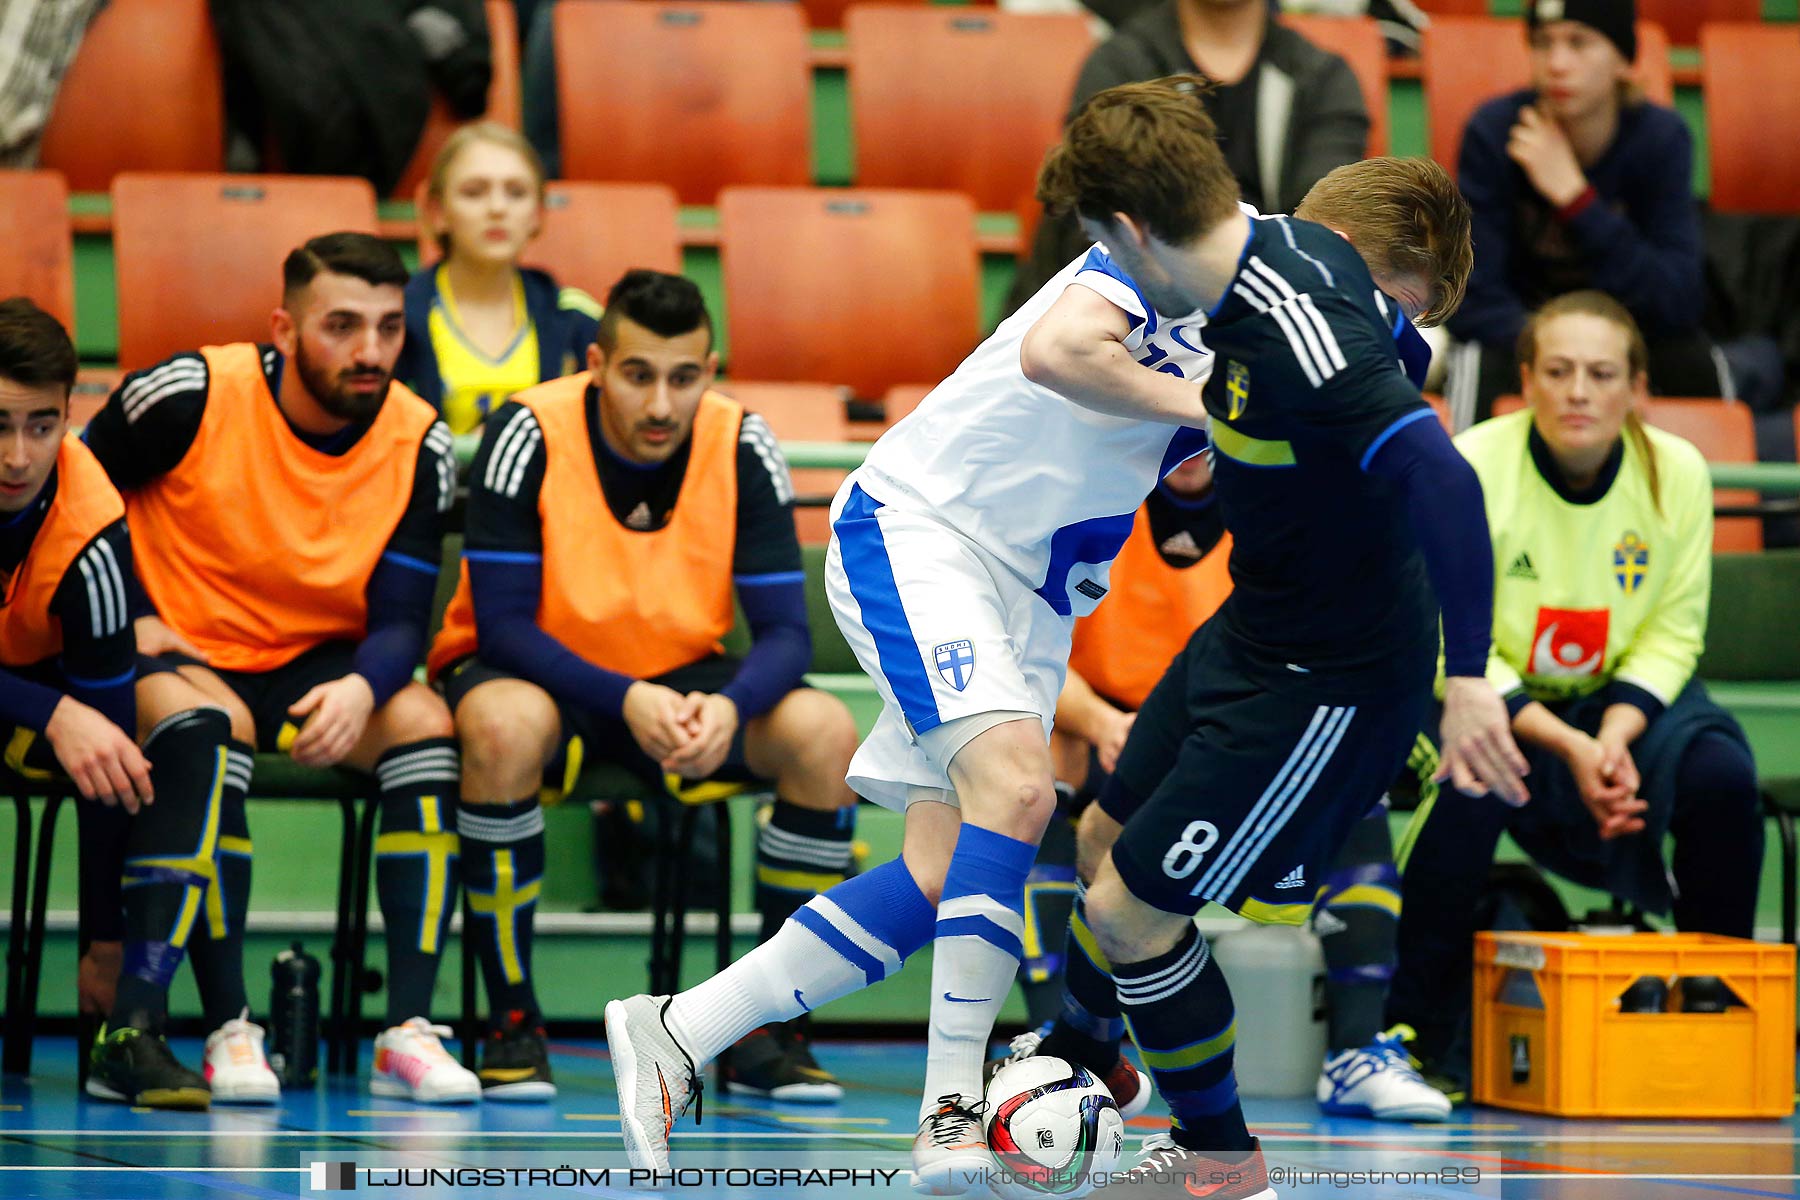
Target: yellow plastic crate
{"type": "Point", "coordinates": [1549, 1036]}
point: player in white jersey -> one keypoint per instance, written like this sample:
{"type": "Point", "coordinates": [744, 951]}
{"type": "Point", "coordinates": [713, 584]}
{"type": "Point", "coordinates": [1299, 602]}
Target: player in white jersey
{"type": "Point", "coordinates": [975, 532]}
{"type": "Point", "coordinates": [1001, 507]}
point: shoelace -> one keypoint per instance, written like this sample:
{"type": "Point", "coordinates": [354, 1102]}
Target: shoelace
{"type": "Point", "coordinates": [1161, 1152]}
{"type": "Point", "coordinates": [696, 1088]}
{"type": "Point", "coordinates": [952, 1113]}
{"type": "Point", "coordinates": [1023, 1047]}
{"type": "Point", "coordinates": [1393, 1052]}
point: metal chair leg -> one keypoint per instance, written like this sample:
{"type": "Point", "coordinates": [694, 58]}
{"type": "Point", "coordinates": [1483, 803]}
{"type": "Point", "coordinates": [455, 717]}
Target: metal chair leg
{"type": "Point", "coordinates": [1784, 826]}
{"type": "Point", "coordinates": [722, 936]}
{"type": "Point", "coordinates": [722, 933]}
{"type": "Point", "coordinates": [25, 1024]}
{"type": "Point", "coordinates": [16, 1050]}
{"type": "Point", "coordinates": [359, 933]}
{"type": "Point", "coordinates": [662, 896]}
{"type": "Point", "coordinates": [684, 850]}
{"type": "Point", "coordinates": [336, 1032]}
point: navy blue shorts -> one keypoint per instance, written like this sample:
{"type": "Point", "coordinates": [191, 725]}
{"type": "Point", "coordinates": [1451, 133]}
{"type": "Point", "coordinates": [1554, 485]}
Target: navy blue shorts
{"type": "Point", "coordinates": [588, 737]}
{"type": "Point", "coordinates": [1239, 788]}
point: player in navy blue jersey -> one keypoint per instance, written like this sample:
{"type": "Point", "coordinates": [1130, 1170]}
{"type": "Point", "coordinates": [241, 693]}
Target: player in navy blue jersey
{"type": "Point", "coordinates": [1355, 524]}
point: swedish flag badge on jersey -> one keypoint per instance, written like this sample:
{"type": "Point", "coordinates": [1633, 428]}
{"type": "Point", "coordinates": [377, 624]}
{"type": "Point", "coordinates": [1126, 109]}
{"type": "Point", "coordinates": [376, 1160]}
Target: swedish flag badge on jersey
{"type": "Point", "coordinates": [1631, 561]}
{"type": "Point", "coordinates": [1237, 389]}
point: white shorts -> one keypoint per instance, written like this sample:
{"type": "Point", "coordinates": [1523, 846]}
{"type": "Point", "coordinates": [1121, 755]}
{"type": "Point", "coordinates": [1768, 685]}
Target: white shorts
{"type": "Point", "coordinates": [946, 631]}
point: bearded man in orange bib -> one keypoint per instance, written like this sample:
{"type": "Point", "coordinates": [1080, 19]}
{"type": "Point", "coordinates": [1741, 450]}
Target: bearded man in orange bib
{"type": "Point", "coordinates": [288, 500]}
{"type": "Point", "coordinates": [612, 516]}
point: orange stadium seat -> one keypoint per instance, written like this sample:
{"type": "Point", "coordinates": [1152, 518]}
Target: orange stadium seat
{"type": "Point", "coordinates": [1358, 41]}
{"type": "Point", "coordinates": [1467, 61]}
{"type": "Point", "coordinates": [1751, 77]}
{"type": "Point", "coordinates": [696, 95]}
{"type": "Point", "coordinates": [902, 398]}
{"type": "Point", "coordinates": [860, 287]}
{"type": "Point", "coordinates": [144, 94]}
{"type": "Point", "coordinates": [1455, 8]}
{"type": "Point", "coordinates": [830, 14]}
{"type": "Point", "coordinates": [796, 412]}
{"type": "Point", "coordinates": [502, 98]}
{"type": "Point", "coordinates": [198, 257]}
{"type": "Point", "coordinates": [918, 120]}
{"type": "Point", "coordinates": [1725, 432]}
{"type": "Point", "coordinates": [593, 233]}
{"type": "Point", "coordinates": [1683, 18]}
{"type": "Point", "coordinates": [39, 255]}
{"type": "Point", "coordinates": [802, 412]}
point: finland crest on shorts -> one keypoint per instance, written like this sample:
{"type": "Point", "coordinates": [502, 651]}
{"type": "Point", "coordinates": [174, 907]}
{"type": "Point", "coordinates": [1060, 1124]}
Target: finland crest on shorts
{"type": "Point", "coordinates": [955, 662]}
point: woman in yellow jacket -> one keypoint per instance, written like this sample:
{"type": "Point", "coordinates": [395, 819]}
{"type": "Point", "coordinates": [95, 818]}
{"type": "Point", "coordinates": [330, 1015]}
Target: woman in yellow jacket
{"type": "Point", "coordinates": [1602, 531]}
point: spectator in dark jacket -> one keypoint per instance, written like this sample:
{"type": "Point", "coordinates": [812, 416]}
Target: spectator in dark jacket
{"type": "Point", "coordinates": [1578, 182]}
{"type": "Point", "coordinates": [1287, 111]}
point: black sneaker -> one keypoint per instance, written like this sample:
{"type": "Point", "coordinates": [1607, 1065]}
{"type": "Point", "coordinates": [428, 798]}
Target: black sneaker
{"type": "Point", "coordinates": [775, 1061]}
{"type": "Point", "coordinates": [134, 1066]}
{"type": "Point", "coordinates": [515, 1064]}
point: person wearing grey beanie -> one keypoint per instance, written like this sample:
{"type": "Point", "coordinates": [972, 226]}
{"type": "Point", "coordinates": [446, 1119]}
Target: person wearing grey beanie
{"type": "Point", "coordinates": [1580, 182]}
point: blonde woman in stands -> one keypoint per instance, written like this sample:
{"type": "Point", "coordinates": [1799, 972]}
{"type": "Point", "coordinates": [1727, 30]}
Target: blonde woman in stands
{"type": "Point", "coordinates": [479, 326]}
{"type": "Point", "coordinates": [1602, 531]}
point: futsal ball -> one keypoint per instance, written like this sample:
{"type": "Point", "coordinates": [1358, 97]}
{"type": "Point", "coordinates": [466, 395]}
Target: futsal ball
{"type": "Point", "coordinates": [1053, 1128]}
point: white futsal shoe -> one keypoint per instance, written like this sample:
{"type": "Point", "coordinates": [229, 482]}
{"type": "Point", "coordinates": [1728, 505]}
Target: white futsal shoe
{"type": "Point", "coordinates": [656, 1078]}
{"type": "Point", "coordinates": [236, 1068]}
{"type": "Point", "coordinates": [412, 1064]}
{"type": "Point", "coordinates": [1379, 1081]}
{"type": "Point", "coordinates": [950, 1153]}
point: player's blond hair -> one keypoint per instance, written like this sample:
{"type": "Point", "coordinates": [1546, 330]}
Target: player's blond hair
{"type": "Point", "coordinates": [492, 133]}
{"type": "Point", "coordinates": [1637, 360]}
{"type": "Point", "coordinates": [1148, 150]}
{"type": "Point", "coordinates": [1405, 216]}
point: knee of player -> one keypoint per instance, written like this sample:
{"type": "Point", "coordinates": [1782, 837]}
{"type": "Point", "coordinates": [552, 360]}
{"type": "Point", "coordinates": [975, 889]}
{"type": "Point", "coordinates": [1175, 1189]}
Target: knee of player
{"type": "Point", "coordinates": [415, 713]}
{"type": "Point", "coordinates": [814, 732]}
{"type": "Point", "coordinates": [1095, 833]}
{"type": "Point", "coordinates": [495, 738]}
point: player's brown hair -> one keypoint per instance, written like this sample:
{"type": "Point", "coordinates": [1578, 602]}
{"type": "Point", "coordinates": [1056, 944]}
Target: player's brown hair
{"type": "Point", "coordinates": [1637, 359]}
{"type": "Point", "coordinates": [466, 136]}
{"type": "Point", "coordinates": [1148, 150]}
{"type": "Point", "coordinates": [1405, 216]}
{"type": "Point", "coordinates": [35, 350]}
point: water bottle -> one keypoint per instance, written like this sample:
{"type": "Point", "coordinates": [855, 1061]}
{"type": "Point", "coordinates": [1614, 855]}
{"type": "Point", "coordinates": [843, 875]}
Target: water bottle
{"type": "Point", "coordinates": [1276, 973]}
{"type": "Point", "coordinates": [294, 1016]}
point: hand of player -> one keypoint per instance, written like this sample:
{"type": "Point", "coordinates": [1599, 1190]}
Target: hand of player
{"type": "Point", "coordinates": [97, 977]}
{"type": "Point", "coordinates": [652, 713]}
{"type": "Point", "coordinates": [1112, 740]}
{"type": "Point", "coordinates": [154, 638]}
{"type": "Point", "coordinates": [1608, 789]}
{"type": "Point", "coordinates": [101, 759]}
{"type": "Point", "coordinates": [711, 721]}
{"type": "Point", "coordinates": [336, 714]}
{"type": "Point", "coordinates": [1479, 754]}
{"type": "Point", "coordinates": [1542, 151]}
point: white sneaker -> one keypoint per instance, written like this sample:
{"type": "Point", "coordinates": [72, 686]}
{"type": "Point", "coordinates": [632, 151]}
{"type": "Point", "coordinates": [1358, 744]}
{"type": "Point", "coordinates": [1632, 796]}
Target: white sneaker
{"type": "Point", "coordinates": [950, 1153]}
{"type": "Point", "coordinates": [656, 1078]}
{"type": "Point", "coordinates": [1381, 1082]}
{"type": "Point", "coordinates": [235, 1068]}
{"type": "Point", "coordinates": [412, 1064]}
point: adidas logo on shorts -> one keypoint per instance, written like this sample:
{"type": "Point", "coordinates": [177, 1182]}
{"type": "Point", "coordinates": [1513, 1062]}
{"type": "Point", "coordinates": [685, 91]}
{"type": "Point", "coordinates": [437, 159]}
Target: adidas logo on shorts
{"type": "Point", "coordinates": [1293, 879]}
